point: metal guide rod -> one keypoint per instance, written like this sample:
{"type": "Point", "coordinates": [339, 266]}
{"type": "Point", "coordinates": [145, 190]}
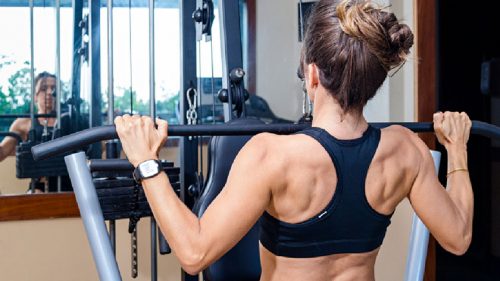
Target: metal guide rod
{"type": "Point", "coordinates": [111, 98]}
{"type": "Point", "coordinates": [111, 101]}
{"type": "Point", "coordinates": [92, 217]}
{"type": "Point", "coordinates": [419, 240]}
{"type": "Point", "coordinates": [152, 99]}
{"type": "Point", "coordinates": [58, 75]}
{"type": "Point", "coordinates": [92, 135]}
{"type": "Point", "coordinates": [152, 113]}
{"type": "Point", "coordinates": [58, 64]}
{"type": "Point", "coordinates": [32, 63]}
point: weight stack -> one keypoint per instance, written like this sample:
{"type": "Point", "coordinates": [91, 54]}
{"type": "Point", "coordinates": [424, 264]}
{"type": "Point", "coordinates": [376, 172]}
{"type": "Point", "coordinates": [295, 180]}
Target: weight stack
{"type": "Point", "coordinates": [27, 167]}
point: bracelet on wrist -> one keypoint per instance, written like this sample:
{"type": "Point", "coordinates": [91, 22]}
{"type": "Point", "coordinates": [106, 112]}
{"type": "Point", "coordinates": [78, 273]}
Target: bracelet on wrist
{"type": "Point", "coordinates": [456, 170]}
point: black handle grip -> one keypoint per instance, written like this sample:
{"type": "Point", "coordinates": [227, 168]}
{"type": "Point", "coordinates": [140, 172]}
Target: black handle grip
{"type": "Point", "coordinates": [92, 135]}
{"type": "Point", "coordinates": [163, 244]}
{"type": "Point", "coordinates": [12, 134]}
{"type": "Point", "coordinates": [110, 165]}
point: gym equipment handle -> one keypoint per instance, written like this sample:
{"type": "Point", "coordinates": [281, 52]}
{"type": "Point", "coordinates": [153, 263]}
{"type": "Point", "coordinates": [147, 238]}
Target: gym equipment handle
{"type": "Point", "coordinates": [83, 138]}
{"type": "Point", "coordinates": [11, 134]}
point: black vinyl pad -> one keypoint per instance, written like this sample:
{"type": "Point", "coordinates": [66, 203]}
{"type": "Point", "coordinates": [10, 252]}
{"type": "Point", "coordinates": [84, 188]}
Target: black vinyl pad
{"type": "Point", "coordinates": [242, 261]}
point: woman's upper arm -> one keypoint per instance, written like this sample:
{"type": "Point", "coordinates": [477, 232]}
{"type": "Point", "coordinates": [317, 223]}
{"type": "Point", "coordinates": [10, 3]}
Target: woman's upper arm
{"type": "Point", "coordinates": [8, 144]}
{"type": "Point", "coordinates": [243, 199]}
{"type": "Point", "coordinates": [430, 199]}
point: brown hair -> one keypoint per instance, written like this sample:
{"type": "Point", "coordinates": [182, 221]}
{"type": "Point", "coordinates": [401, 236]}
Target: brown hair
{"type": "Point", "coordinates": [44, 75]}
{"type": "Point", "coordinates": [354, 44]}
{"type": "Point", "coordinates": [41, 77]}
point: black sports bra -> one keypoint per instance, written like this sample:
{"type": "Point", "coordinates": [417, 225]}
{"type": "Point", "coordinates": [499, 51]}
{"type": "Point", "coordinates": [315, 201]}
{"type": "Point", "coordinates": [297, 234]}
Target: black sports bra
{"type": "Point", "coordinates": [348, 224]}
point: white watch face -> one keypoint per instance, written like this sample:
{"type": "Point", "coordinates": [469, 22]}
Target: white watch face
{"type": "Point", "coordinates": [149, 168]}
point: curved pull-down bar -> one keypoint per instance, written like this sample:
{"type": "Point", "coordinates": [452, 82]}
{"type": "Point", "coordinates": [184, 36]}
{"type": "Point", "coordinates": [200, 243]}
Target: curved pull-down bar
{"type": "Point", "coordinates": [92, 135]}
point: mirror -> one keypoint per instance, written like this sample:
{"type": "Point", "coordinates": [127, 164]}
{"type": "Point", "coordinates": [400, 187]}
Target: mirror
{"type": "Point", "coordinates": [59, 41]}
{"type": "Point", "coordinates": [28, 60]}
{"type": "Point", "coordinates": [83, 86]}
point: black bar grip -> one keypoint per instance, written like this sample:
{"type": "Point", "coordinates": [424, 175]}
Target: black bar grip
{"type": "Point", "coordinates": [163, 244]}
{"type": "Point", "coordinates": [12, 134]}
{"type": "Point", "coordinates": [73, 142]}
{"type": "Point", "coordinates": [485, 129]}
{"type": "Point", "coordinates": [92, 135]}
{"type": "Point", "coordinates": [13, 116]}
{"type": "Point", "coordinates": [110, 165]}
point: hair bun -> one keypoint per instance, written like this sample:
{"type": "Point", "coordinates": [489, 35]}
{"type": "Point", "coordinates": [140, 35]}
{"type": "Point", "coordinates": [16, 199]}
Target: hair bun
{"type": "Point", "coordinates": [399, 35]}
{"type": "Point", "coordinates": [389, 40]}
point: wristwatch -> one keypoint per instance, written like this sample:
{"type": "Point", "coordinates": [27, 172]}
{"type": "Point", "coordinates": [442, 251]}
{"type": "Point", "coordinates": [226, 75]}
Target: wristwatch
{"type": "Point", "coordinates": [146, 170]}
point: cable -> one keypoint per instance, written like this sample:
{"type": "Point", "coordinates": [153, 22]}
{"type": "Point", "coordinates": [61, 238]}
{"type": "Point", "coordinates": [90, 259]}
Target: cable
{"type": "Point", "coordinates": [130, 56]}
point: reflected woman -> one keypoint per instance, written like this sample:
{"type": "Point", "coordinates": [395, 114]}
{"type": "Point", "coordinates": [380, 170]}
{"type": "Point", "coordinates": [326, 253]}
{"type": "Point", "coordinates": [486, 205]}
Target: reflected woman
{"type": "Point", "coordinates": [45, 89]}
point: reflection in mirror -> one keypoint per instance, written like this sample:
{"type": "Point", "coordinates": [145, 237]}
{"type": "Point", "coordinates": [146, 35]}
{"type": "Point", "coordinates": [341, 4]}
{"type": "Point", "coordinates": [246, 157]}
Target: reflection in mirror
{"type": "Point", "coordinates": [33, 101]}
{"type": "Point", "coordinates": [57, 41]}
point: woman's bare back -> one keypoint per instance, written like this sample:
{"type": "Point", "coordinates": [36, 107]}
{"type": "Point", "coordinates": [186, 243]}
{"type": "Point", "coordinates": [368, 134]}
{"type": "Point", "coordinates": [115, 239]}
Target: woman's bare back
{"type": "Point", "coordinates": [310, 185]}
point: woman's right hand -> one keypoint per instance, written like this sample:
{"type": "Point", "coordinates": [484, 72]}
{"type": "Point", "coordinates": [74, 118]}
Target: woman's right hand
{"type": "Point", "coordinates": [452, 129]}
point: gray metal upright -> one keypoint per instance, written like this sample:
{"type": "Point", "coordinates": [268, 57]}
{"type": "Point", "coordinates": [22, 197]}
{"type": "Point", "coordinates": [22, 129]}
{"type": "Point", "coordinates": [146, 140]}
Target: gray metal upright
{"type": "Point", "coordinates": [111, 100]}
{"type": "Point", "coordinates": [58, 69]}
{"type": "Point", "coordinates": [58, 76]}
{"type": "Point", "coordinates": [152, 113]}
{"type": "Point", "coordinates": [32, 65]}
{"type": "Point", "coordinates": [419, 241]}
{"type": "Point", "coordinates": [189, 146]}
{"type": "Point", "coordinates": [152, 98]}
{"type": "Point", "coordinates": [92, 217]}
{"type": "Point", "coordinates": [231, 50]}
{"type": "Point", "coordinates": [95, 118]}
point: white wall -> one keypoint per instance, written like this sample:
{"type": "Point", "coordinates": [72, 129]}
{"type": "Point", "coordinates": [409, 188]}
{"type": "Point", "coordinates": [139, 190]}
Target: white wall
{"type": "Point", "coordinates": [9, 183]}
{"type": "Point", "coordinates": [57, 250]}
{"type": "Point", "coordinates": [278, 53]}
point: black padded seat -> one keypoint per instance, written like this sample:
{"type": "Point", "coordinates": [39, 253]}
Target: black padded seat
{"type": "Point", "coordinates": [242, 262]}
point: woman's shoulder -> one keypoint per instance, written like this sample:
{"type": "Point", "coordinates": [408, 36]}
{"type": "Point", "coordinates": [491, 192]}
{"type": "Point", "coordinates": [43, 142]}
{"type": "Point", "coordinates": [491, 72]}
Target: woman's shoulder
{"type": "Point", "coordinates": [279, 147]}
{"type": "Point", "coordinates": [21, 124]}
{"type": "Point", "coordinates": [399, 140]}
{"type": "Point", "coordinates": [399, 134]}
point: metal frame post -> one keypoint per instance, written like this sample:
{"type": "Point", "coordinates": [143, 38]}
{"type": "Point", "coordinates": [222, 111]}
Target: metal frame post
{"type": "Point", "coordinates": [188, 146]}
{"type": "Point", "coordinates": [152, 113]}
{"type": "Point", "coordinates": [419, 241]}
{"type": "Point", "coordinates": [32, 67]}
{"type": "Point", "coordinates": [58, 64]}
{"type": "Point", "coordinates": [111, 102]}
{"type": "Point", "coordinates": [76, 66]}
{"type": "Point", "coordinates": [232, 54]}
{"type": "Point", "coordinates": [58, 75]}
{"type": "Point", "coordinates": [95, 119]}
{"type": "Point", "coordinates": [92, 217]}
{"type": "Point", "coordinates": [111, 151]}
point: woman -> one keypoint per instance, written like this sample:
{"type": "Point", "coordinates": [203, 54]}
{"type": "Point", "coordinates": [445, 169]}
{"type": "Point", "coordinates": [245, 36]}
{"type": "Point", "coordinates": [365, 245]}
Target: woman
{"type": "Point", "coordinates": [45, 89]}
{"type": "Point", "coordinates": [325, 196]}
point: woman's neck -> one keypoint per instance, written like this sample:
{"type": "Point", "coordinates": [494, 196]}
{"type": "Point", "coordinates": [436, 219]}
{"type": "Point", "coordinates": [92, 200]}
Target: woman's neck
{"type": "Point", "coordinates": [46, 120]}
{"type": "Point", "coordinates": [329, 115]}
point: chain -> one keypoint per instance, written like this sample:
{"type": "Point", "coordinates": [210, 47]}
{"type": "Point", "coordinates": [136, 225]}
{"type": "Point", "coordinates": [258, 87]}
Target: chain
{"type": "Point", "coordinates": [191, 114]}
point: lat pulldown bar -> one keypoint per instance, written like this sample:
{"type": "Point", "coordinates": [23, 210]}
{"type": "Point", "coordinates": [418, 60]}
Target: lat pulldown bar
{"type": "Point", "coordinates": [83, 138]}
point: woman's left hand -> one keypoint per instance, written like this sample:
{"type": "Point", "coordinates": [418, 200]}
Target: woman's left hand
{"type": "Point", "coordinates": [140, 139]}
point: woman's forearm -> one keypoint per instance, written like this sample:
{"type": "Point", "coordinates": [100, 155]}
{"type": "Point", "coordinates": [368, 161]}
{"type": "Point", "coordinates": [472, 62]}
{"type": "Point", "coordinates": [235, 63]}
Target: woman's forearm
{"type": "Point", "coordinates": [179, 225]}
{"type": "Point", "coordinates": [459, 188]}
